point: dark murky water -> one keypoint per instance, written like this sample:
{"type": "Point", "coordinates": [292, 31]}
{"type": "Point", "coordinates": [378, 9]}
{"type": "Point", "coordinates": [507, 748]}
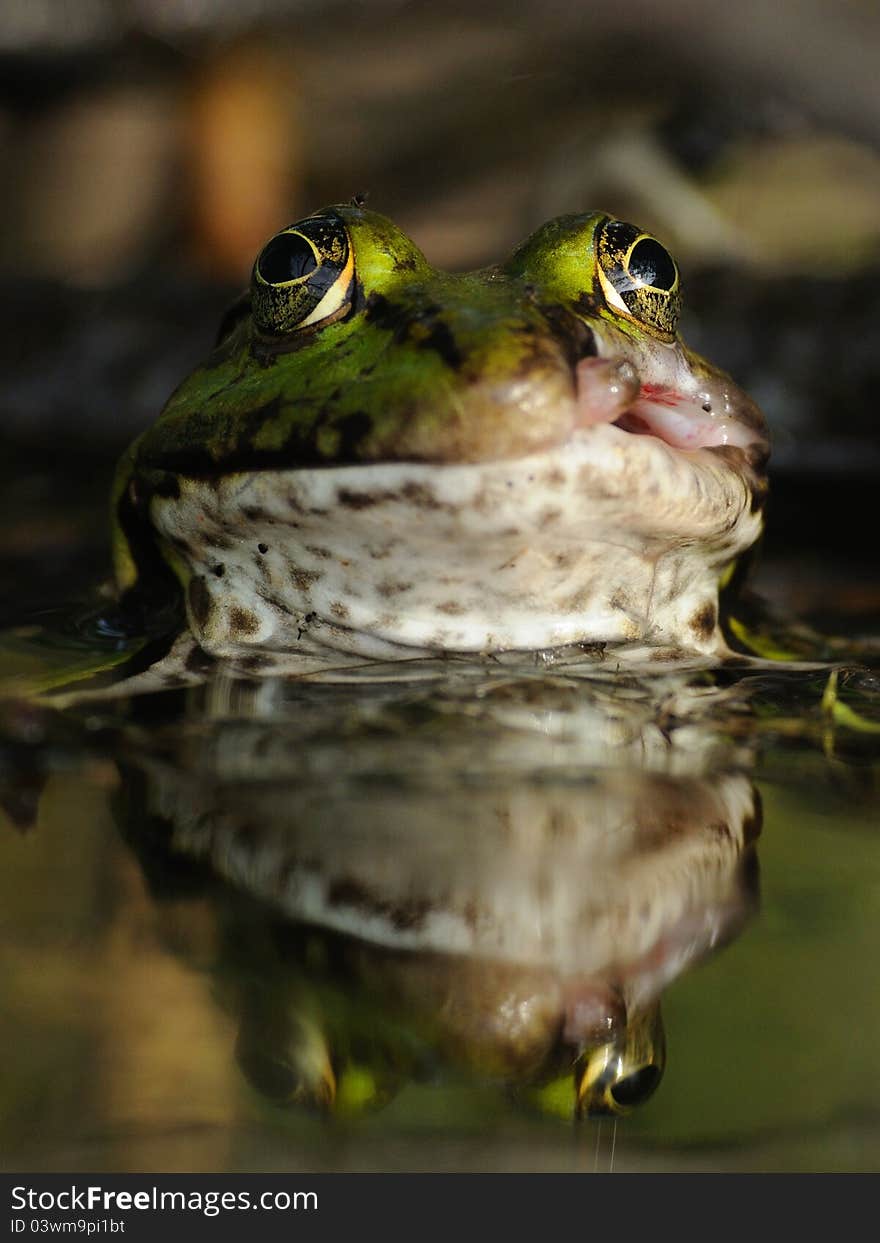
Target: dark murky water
{"type": "Point", "coordinates": [439, 923]}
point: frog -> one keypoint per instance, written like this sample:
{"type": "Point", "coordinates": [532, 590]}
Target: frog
{"type": "Point", "coordinates": [382, 460]}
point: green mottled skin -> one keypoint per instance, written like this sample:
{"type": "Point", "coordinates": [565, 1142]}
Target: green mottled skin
{"type": "Point", "coordinates": [406, 388]}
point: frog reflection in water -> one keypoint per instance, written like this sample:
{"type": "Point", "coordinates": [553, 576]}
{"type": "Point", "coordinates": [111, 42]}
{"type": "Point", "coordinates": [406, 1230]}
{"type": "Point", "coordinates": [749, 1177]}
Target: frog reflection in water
{"type": "Point", "coordinates": [454, 904]}
{"type": "Point", "coordinates": [382, 460]}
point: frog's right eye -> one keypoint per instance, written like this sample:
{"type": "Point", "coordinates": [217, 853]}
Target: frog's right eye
{"type": "Point", "coordinates": [304, 276]}
{"type": "Point", "coordinates": [639, 277]}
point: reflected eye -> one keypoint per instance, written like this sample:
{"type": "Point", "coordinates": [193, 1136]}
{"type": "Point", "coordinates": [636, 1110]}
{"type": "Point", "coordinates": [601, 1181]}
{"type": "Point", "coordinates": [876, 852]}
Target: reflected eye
{"type": "Point", "coordinates": [304, 276]}
{"type": "Point", "coordinates": [615, 1078]}
{"type": "Point", "coordinates": [638, 276]}
{"type": "Point", "coordinates": [635, 1088]}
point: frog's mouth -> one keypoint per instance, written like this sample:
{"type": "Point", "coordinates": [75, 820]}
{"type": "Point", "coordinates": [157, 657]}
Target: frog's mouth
{"type": "Point", "coordinates": [610, 391]}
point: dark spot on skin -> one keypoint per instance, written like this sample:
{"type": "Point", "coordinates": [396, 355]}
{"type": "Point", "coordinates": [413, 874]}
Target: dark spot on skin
{"type": "Point", "coordinates": [253, 513]}
{"type": "Point", "coordinates": [197, 661]}
{"type": "Point", "coordinates": [323, 554]}
{"type": "Point", "coordinates": [409, 914]}
{"type": "Point", "coordinates": [402, 916]}
{"type": "Point", "coordinates": [559, 825]}
{"type": "Point", "coordinates": [585, 304]}
{"type": "Point", "coordinates": [303, 579]}
{"type": "Point", "coordinates": [575, 337]}
{"type": "Point", "coordinates": [262, 549]}
{"type": "Point", "coordinates": [199, 600]}
{"type": "Point", "coordinates": [481, 501]}
{"type": "Point", "coordinates": [471, 914]}
{"type": "Point", "coordinates": [665, 655]}
{"type": "Point", "coordinates": [167, 485]}
{"type": "Point", "coordinates": [619, 601]}
{"type": "Point", "coordinates": [704, 620]}
{"type": "Point", "coordinates": [577, 602]}
{"type": "Point", "coordinates": [352, 430]}
{"type": "Point", "coordinates": [553, 478]}
{"type": "Point", "coordinates": [441, 339]}
{"type": "Point", "coordinates": [254, 662]}
{"type": "Point", "coordinates": [358, 300]}
{"type": "Point", "coordinates": [418, 494]}
{"type": "Point", "coordinates": [339, 611]}
{"type": "Point", "coordinates": [355, 500]}
{"type": "Point", "coordinates": [423, 327]}
{"type": "Point", "coordinates": [384, 313]}
{"type": "Point", "coordinates": [451, 607]}
{"type": "Point", "coordinates": [389, 588]}
{"type": "Point", "coordinates": [548, 517]}
{"type": "Point", "coordinates": [243, 621]}
{"type": "Point", "coordinates": [253, 421]}
{"type": "Point", "coordinates": [591, 480]}
{"type": "Point", "coordinates": [415, 493]}
{"type": "Point", "coordinates": [218, 570]}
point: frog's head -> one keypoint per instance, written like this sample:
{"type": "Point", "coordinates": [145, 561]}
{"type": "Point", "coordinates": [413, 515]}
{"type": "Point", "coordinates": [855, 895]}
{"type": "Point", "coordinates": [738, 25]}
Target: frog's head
{"type": "Point", "coordinates": [381, 454]}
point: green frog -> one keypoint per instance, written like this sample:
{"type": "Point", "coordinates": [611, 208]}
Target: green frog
{"type": "Point", "coordinates": [383, 460]}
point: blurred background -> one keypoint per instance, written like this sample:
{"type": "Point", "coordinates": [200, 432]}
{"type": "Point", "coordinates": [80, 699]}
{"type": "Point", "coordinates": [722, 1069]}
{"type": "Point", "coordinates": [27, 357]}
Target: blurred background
{"type": "Point", "coordinates": [149, 147]}
{"type": "Point", "coordinates": [147, 150]}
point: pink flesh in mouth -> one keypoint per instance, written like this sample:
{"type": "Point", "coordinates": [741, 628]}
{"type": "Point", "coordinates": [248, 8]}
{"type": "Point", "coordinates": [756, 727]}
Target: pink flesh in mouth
{"type": "Point", "coordinates": [608, 391]}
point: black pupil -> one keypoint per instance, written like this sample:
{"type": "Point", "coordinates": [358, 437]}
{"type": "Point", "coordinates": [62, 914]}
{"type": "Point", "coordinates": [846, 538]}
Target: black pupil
{"type": "Point", "coordinates": [285, 258]}
{"type": "Point", "coordinates": [651, 264]}
{"type": "Point", "coordinates": [637, 1086]}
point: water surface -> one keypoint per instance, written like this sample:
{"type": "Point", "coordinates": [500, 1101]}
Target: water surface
{"type": "Point", "coordinates": [392, 925]}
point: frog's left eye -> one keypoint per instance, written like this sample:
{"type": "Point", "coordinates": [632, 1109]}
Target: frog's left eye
{"type": "Point", "coordinates": [619, 1087]}
{"type": "Point", "coordinates": [634, 1088]}
{"type": "Point", "coordinates": [304, 276]}
{"type": "Point", "coordinates": [638, 276]}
